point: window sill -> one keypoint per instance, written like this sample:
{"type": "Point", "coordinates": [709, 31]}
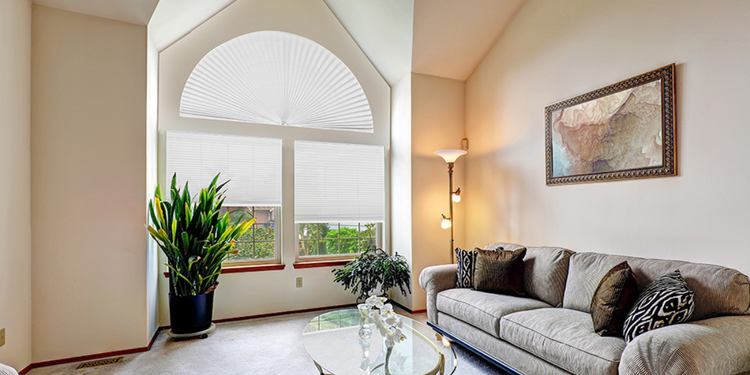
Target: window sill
{"type": "Point", "coordinates": [322, 263]}
{"type": "Point", "coordinates": [251, 268]}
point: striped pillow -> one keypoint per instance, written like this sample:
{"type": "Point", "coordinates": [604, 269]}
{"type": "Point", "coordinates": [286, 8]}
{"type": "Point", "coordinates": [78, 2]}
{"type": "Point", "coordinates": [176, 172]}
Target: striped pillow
{"type": "Point", "coordinates": [667, 300]}
{"type": "Point", "coordinates": [465, 270]}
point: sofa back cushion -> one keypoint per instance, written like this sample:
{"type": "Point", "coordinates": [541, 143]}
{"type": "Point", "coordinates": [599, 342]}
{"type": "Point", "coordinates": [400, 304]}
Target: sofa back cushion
{"type": "Point", "coordinates": [545, 271]}
{"type": "Point", "coordinates": [718, 290]}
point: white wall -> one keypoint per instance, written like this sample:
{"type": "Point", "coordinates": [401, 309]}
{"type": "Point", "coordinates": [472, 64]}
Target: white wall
{"type": "Point", "coordinates": [88, 175]}
{"type": "Point", "coordinates": [15, 185]}
{"type": "Point", "coordinates": [556, 50]}
{"type": "Point", "coordinates": [246, 294]}
{"type": "Point", "coordinates": [437, 124]}
{"type": "Point", "coordinates": [401, 185]}
{"type": "Point", "coordinates": [152, 142]}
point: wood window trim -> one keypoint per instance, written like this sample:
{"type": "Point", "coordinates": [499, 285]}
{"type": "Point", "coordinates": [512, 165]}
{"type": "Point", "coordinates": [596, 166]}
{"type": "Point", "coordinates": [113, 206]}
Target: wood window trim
{"type": "Point", "coordinates": [246, 268]}
{"type": "Point", "coordinates": [321, 263]}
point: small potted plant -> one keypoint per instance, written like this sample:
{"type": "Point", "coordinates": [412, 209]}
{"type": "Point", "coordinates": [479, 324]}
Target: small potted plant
{"type": "Point", "coordinates": [196, 239]}
{"type": "Point", "coordinates": [371, 268]}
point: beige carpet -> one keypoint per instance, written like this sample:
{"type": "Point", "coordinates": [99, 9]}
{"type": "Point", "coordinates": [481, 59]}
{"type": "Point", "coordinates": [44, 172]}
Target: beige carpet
{"type": "Point", "coordinates": [256, 346]}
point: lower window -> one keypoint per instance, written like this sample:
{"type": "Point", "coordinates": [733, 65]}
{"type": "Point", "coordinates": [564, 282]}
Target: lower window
{"type": "Point", "coordinates": [336, 239]}
{"type": "Point", "coordinates": [260, 244]}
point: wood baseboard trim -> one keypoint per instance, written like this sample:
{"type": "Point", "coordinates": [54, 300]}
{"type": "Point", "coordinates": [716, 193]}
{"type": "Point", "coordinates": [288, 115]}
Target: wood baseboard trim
{"type": "Point", "coordinates": [352, 305]}
{"type": "Point", "coordinates": [92, 356]}
{"type": "Point", "coordinates": [153, 339]}
{"type": "Point", "coordinates": [408, 310]}
{"type": "Point", "coordinates": [25, 370]}
{"type": "Point", "coordinates": [239, 318]}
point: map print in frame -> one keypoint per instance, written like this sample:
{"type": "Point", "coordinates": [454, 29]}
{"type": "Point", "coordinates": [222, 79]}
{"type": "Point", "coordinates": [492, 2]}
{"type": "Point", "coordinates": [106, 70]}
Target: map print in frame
{"type": "Point", "coordinates": [622, 131]}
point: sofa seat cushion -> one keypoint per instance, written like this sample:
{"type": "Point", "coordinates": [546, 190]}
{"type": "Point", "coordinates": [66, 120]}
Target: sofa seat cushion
{"type": "Point", "coordinates": [481, 309]}
{"type": "Point", "coordinates": [564, 338]}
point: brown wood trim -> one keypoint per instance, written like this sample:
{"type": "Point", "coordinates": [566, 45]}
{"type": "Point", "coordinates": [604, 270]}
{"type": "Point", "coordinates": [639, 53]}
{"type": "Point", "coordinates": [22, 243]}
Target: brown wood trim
{"type": "Point", "coordinates": [89, 357]}
{"type": "Point", "coordinates": [253, 268]}
{"type": "Point", "coordinates": [25, 370]}
{"type": "Point", "coordinates": [153, 339]}
{"type": "Point", "coordinates": [226, 320]}
{"type": "Point", "coordinates": [322, 263]}
{"type": "Point", "coordinates": [408, 310]}
{"type": "Point", "coordinates": [250, 268]}
{"type": "Point", "coordinates": [92, 356]}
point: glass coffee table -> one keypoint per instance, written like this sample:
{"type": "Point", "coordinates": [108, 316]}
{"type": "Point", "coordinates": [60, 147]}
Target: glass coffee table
{"type": "Point", "coordinates": [342, 343]}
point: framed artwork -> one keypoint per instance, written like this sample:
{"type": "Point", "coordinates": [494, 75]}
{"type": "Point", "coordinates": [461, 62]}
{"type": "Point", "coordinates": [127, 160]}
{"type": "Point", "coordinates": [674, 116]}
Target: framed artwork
{"type": "Point", "coordinates": [622, 131]}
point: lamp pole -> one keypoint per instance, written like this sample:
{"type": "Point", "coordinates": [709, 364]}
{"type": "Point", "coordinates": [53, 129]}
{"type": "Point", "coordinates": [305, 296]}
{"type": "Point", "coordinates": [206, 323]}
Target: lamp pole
{"type": "Point", "coordinates": [450, 157]}
{"type": "Point", "coordinates": [450, 202]}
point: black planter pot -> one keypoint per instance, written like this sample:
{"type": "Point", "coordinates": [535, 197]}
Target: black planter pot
{"type": "Point", "coordinates": [192, 313]}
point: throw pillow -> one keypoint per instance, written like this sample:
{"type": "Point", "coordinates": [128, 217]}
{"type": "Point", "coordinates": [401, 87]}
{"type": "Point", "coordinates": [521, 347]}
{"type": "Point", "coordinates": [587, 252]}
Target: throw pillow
{"type": "Point", "coordinates": [465, 260]}
{"type": "Point", "coordinates": [667, 300]}
{"type": "Point", "coordinates": [612, 300]}
{"type": "Point", "coordinates": [499, 271]}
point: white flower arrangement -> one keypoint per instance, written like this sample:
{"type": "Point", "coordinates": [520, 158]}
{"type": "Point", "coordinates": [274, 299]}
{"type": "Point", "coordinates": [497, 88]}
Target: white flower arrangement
{"type": "Point", "coordinates": [388, 322]}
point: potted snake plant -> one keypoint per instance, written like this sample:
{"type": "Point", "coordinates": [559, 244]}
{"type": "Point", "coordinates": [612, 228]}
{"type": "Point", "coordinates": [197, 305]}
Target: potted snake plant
{"type": "Point", "coordinates": [195, 239]}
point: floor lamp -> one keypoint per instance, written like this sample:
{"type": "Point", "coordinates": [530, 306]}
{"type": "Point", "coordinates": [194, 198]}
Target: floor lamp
{"type": "Point", "coordinates": [450, 157]}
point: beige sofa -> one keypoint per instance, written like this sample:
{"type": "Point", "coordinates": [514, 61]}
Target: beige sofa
{"type": "Point", "coordinates": [550, 331]}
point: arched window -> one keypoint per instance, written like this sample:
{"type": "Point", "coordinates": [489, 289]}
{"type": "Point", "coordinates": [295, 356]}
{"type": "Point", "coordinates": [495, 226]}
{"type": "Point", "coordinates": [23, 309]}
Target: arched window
{"type": "Point", "coordinates": [278, 78]}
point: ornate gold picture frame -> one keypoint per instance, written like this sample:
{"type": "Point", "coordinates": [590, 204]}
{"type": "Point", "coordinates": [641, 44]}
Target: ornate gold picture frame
{"type": "Point", "coordinates": [622, 131]}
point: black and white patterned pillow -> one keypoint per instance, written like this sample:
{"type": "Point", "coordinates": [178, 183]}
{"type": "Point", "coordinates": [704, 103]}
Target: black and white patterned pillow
{"type": "Point", "coordinates": [466, 260]}
{"type": "Point", "coordinates": [667, 300]}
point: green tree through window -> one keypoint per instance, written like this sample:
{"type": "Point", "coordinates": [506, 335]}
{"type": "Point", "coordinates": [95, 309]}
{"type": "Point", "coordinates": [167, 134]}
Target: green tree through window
{"type": "Point", "coordinates": [316, 239]}
{"type": "Point", "coordinates": [259, 242]}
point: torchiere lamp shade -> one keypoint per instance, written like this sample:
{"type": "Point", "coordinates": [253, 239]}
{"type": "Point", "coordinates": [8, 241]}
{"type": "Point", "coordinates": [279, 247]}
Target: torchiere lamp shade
{"type": "Point", "coordinates": [450, 156]}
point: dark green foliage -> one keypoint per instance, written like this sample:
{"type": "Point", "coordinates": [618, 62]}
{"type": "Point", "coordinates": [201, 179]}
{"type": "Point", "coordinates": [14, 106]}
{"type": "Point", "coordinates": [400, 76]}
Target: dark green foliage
{"type": "Point", "coordinates": [372, 268]}
{"type": "Point", "coordinates": [256, 243]}
{"type": "Point", "coordinates": [194, 237]}
{"type": "Point", "coordinates": [321, 239]}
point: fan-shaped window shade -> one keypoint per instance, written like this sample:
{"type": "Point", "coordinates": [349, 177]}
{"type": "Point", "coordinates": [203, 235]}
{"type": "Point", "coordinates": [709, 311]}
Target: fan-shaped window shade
{"type": "Point", "coordinates": [338, 182]}
{"type": "Point", "coordinates": [273, 77]}
{"type": "Point", "coordinates": [253, 166]}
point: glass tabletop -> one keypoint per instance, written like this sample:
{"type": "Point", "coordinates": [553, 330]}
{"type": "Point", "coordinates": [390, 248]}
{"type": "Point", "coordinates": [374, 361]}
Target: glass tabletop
{"type": "Point", "coordinates": [342, 343]}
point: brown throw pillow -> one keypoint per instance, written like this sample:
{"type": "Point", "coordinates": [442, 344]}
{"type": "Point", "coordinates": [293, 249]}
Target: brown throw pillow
{"type": "Point", "coordinates": [612, 300]}
{"type": "Point", "coordinates": [499, 271]}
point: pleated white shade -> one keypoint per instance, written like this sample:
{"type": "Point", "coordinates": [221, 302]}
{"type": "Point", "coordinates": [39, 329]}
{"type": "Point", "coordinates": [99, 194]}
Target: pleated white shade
{"type": "Point", "coordinates": [273, 77]}
{"type": "Point", "coordinates": [338, 182]}
{"type": "Point", "coordinates": [253, 166]}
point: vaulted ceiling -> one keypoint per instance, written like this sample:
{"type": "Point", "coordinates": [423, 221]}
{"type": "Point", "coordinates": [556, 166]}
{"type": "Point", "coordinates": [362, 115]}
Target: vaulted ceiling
{"type": "Point", "coordinates": [131, 11]}
{"type": "Point", "coordinates": [444, 38]}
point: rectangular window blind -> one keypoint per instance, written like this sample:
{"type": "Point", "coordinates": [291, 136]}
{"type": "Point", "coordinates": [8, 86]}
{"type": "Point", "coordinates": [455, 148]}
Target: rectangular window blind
{"type": "Point", "coordinates": [338, 182]}
{"type": "Point", "coordinates": [253, 166]}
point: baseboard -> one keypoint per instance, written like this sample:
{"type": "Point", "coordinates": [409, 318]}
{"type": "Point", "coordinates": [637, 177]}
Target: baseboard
{"type": "Point", "coordinates": [248, 317]}
{"type": "Point", "coordinates": [25, 370]}
{"type": "Point", "coordinates": [92, 356]}
{"type": "Point", "coordinates": [408, 310]}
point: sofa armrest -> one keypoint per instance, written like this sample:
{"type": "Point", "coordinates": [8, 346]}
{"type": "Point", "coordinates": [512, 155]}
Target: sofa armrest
{"type": "Point", "coordinates": [710, 346]}
{"type": "Point", "coordinates": [7, 370]}
{"type": "Point", "coordinates": [434, 280]}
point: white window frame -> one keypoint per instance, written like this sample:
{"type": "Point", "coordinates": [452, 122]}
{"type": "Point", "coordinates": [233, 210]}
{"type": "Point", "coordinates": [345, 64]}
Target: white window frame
{"type": "Point", "coordinates": [330, 257]}
{"type": "Point", "coordinates": [277, 244]}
